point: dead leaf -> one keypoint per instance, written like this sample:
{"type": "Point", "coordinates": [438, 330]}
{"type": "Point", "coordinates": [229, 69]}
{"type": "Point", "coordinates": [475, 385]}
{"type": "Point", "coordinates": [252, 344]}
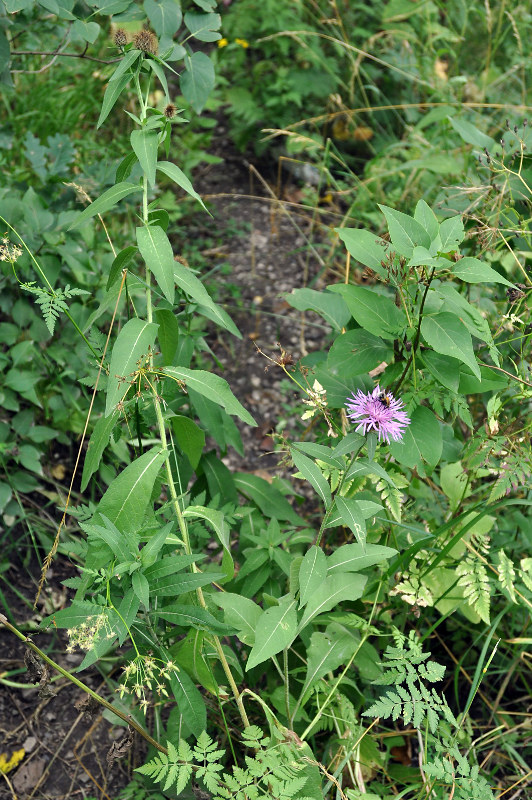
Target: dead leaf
{"type": "Point", "coordinates": [121, 748]}
{"type": "Point", "coordinates": [28, 775]}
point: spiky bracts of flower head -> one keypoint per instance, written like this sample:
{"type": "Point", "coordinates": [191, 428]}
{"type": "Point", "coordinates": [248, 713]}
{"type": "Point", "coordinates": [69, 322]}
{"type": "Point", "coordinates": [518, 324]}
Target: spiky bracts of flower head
{"type": "Point", "coordinates": [146, 41]}
{"type": "Point", "coordinates": [380, 412]}
{"type": "Point", "coordinates": [120, 37]}
{"type": "Point", "coordinates": [170, 111]}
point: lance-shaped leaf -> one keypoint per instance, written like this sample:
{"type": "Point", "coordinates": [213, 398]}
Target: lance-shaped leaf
{"type": "Point", "coordinates": [126, 499]}
{"type": "Point", "coordinates": [212, 386]}
{"type": "Point", "coordinates": [313, 474]}
{"type": "Point", "coordinates": [189, 701]}
{"type": "Point", "coordinates": [193, 617]}
{"type": "Point", "coordinates": [447, 334]}
{"type": "Point", "coordinates": [472, 270]}
{"type": "Point", "coordinates": [352, 516]}
{"type": "Point", "coordinates": [334, 589]}
{"type": "Point", "coordinates": [131, 347]}
{"type": "Point", "coordinates": [353, 557]}
{"type": "Point", "coordinates": [178, 176]}
{"type": "Point", "coordinates": [112, 93]}
{"type": "Point", "coordinates": [325, 654]}
{"type": "Point", "coordinates": [190, 284]}
{"type": "Point", "coordinates": [276, 630]}
{"type": "Point", "coordinates": [105, 201]}
{"type": "Point", "coordinates": [405, 231]}
{"type": "Point", "coordinates": [240, 612]}
{"type": "Point", "coordinates": [216, 520]}
{"type": "Point", "coordinates": [97, 444]}
{"type": "Point", "coordinates": [145, 144]}
{"type": "Point", "coordinates": [312, 573]}
{"type": "Point", "coordinates": [156, 250]}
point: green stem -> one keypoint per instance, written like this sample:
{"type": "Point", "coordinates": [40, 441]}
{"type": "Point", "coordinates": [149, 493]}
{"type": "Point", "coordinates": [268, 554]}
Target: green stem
{"type": "Point", "coordinates": [127, 718]}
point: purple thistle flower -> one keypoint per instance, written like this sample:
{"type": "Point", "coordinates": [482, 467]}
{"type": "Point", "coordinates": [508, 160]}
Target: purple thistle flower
{"type": "Point", "coordinates": [378, 411]}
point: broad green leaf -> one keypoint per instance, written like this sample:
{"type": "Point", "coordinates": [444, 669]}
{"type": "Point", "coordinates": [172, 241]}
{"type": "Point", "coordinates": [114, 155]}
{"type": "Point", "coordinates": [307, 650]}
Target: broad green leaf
{"type": "Point", "coordinates": [141, 588]}
{"type": "Point", "coordinates": [470, 134]}
{"type": "Point", "coordinates": [182, 583]}
{"type": "Point", "coordinates": [362, 466]}
{"type": "Point", "coordinates": [448, 335]}
{"type": "Point", "coordinates": [421, 257]}
{"type": "Point", "coordinates": [112, 92]}
{"type": "Point", "coordinates": [72, 617]}
{"type": "Point", "coordinates": [354, 557]}
{"type": "Point", "coordinates": [88, 31]}
{"type": "Point", "coordinates": [422, 440]}
{"type": "Point", "coordinates": [169, 565]}
{"type": "Point", "coordinates": [97, 444]}
{"type": "Point", "coordinates": [216, 520]}
{"type": "Point", "coordinates": [178, 176]}
{"type": "Point", "coordinates": [365, 247]}
{"type": "Point", "coordinates": [190, 438]}
{"type": "Point", "coordinates": [120, 262]}
{"type": "Point", "coordinates": [104, 202]}
{"type": "Point", "coordinates": [130, 349]}
{"type": "Point", "coordinates": [164, 15]}
{"type": "Point", "coordinates": [335, 589]}
{"type": "Point", "coordinates": [126, 500]}
{"type": "Point", "coordinates": [320, 452]}
{"type": "Point", "coordinates": [313, 474]}
{"type": "Point", "coordinates": [312, 573]}
{"type": "Point", "coordinates": [470, 315]}
{"type": "Point", "coordinates": [490, 381]}
{"type": "Point", "coordinates": [451, 234]}
{"type": "Point", "coordinates": [189, 702]}
{"type": "Point", "coordinates": [213, 387]}
{"type": "Point", "coordinates": [189, 283]}
{"type": "Point", "coordinates": [150, 552]}
{"type": "Point", "coordinates": [145, 144]}
{"type": "Point", "coordinates": [324, 654]}
{"type": "Point", "coordinates": [357, 352]}
{"type": "Point", "coordinates": [204, 27]}
{"type": "Point", "coordinates": [374, 312]}
{"type": "Point", "coordinates": [219, 478]}
{"type": "Point", "coordinates": [405, 231]}
{"type": "Point", "coordinates": [168, 334]}
{"type": "Point", "coordinates": [269, 499]}
{"type": "Point", "coordinates": [331, 307]}
{"type": "Point", "coordinates": [427, 219]}
{"type": "Point", "coordinates": [127, 611]}
{"type": "Point", "coordinates": [367, 508]}
{"type": "Point", "coordinates": [445, 369]}
{"type": "Point", "coordinates": [352, 516]}
{"type": "Point", "coordinates": [156, 250]}
{"type": "Point", "coordinates": [187, 616]}
{"type": "Point", "coordinates": [472, 270]}
{"type": "Point", "coordinates": [190, 656]}
{"type": "Point", "coordinates": [197, 81]}
{"type": "Point", "coordinates": [276, 630]}
{"type": "Point", "coordinates": [239, 612]}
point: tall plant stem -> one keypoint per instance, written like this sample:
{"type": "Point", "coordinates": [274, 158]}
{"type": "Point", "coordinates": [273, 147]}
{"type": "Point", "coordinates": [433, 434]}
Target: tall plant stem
{"type": "Point", "coordinates": [101, 700]}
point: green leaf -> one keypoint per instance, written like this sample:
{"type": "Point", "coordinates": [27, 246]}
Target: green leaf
{"type": "Point", "coordinates": [324, 654]}
{"type": "Point", "coordinates": [451, 234]}
{"type": "Point", "coordinates": [112, 92]}
{"type": "Point", "coordinates": [170, 564]}
{"type": "Point", "coordinates": [313, 474]}
{"type": "Point", "coordinates": [269, 499]}
{"type": "Point", "coordinates": [186, 280]}
{"type": "Point", "coordinates": [335, 589]}
{"type": "Point", "coordinates": [213, 387]}
{"type": "Point", "coordinates": [168, 335]}
{"type": "Point", "coordinates": [178, 176]}
{"type": "Point", "coordinates": [354, 557]}
{"type": "Point", "coordinates": [365, 247]}
{"type": "Point", "coordinates": [97, 444]}
{"type": "Point", "coordinates": [164, 15]}
{"type": "Point", "coordinates": [470, 134]}
{"type": "Point", "coordinates": [405, 231]}
{"type": "Point", "coordinates": [145, 144]}
{"type": "Point", "coordinates": [141, 588]}
{"type": "Point", "coordinates": [216, 520]}
{"type": "Point", "coordinates": [190, 656]}
{"type": "Point", "coordinates": [197, 81]}
{"type": "Point", "coordinates": [76, 614]}
{"type": "Point", "coordinates": [88, 31]}
{"type": "Point", "coordinates": [182, 583]}
{"type": "Point", "coordinates": [193, 617]}
{"type": "Point", "coordinates": [374, 312]}
{"type": "Point", "coordinates": [472, 270]}
{"type": "Point", "coordinates": [189, 702]}
{"type": "Point", "coordinates": [446, 370]}
{"type": "Point", "coordinates": [422, 440]}
{"type": "Point", "coordinates": [352, 517]}
{"type": "Point", "coordinates": [275, 631]}
{"type": "Point", "coordinates": [320, 452]}
{"type": "Point", "coordinates": [126, 500]}
{"type": "Point", "coordinates": [156, 250]}
{"type": "Point", "coordinates": [132, 345]}
{"type": "Point", "coordinates": [190, 438]}
{"type": "Point", "coordinates": [204, 27]}
{"type": "Point", "coordinates": [127, 611]}
{"type": "Point", "coordinates": [240, 613]}
{"type": "Point", "coordinates": [105, 202]}
{"type": "Point", "coordinates": [120, 262]}
{"type": "Point", "coordinates": [448, 335]}
{"type": "Point", "coordinates": [127, 62]}
{"type": "Point", "coordinates": [329, 306]}
{"type": "Point", "coordinates": [427, 219]}
{"type": "Point", "coordinates": [357, 352]}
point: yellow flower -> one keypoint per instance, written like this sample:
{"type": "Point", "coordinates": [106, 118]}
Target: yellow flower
{"type": "Point", "coordinates": [222, 42]}
{"type": "Point", "coordinates": [242, 43]}
{"type": "Point", "coordinates": [6, 765]}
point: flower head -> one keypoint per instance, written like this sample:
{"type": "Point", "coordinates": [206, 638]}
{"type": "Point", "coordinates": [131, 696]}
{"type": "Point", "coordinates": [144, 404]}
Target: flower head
{"type": "Point", "coordinates": [378, 411]}
{"type": "Point", "coordinates": [120, 37]}
{"type": "Point", "coordinates": [146, 41]}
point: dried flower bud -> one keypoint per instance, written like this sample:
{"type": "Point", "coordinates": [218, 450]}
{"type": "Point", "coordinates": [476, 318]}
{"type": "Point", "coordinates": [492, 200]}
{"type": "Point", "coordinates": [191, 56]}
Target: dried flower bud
{"type": "Point", "coordinates": [170, 111]}
{"type": "Point", "coordinates": [120, 37]}
{"type": "Point", "coordinates": [517, 293]}
{"type": "Point", "coordinates": [146, 41]}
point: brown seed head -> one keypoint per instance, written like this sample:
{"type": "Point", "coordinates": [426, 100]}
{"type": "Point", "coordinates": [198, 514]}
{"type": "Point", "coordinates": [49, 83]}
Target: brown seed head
{"type": "Point", "coordinates": [170, 111]}
{"type": "Point", "coordinates": [120, 37]}
{"type": "Point", "coordinates": [145, 41]}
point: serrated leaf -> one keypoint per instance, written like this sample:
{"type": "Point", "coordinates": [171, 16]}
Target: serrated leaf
{"type": "Point", "coordinates": [365, 247]}
{"type": "Point", "coordinates": [276, 630]}
{"type": "Point", "coordinates": [329, 306]}
{"type": "Point", "coordinates": [132, 345]}
{"type": "Point", "coordinates": [213, 387]}
{"type": "Point", "coordinates": [374, 312]}
{"type": "Point", "coordinates": [472, 270]}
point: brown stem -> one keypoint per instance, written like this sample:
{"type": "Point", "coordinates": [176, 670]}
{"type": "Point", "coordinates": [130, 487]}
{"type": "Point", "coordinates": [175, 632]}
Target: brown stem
{"type": "Point", "coordinates": [64, 55]}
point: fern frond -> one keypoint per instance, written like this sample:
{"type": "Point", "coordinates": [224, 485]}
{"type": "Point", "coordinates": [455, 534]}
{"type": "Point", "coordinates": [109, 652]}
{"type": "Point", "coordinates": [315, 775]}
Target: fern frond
{"type": "Point", "coordinates": [473, 577]}
{"type": "Point", "coordinates": [506, 574]}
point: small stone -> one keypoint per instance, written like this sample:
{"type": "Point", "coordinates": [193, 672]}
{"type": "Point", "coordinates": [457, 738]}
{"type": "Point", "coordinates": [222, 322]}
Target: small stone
{"type": "Point", "coordinates": [29, 744]}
